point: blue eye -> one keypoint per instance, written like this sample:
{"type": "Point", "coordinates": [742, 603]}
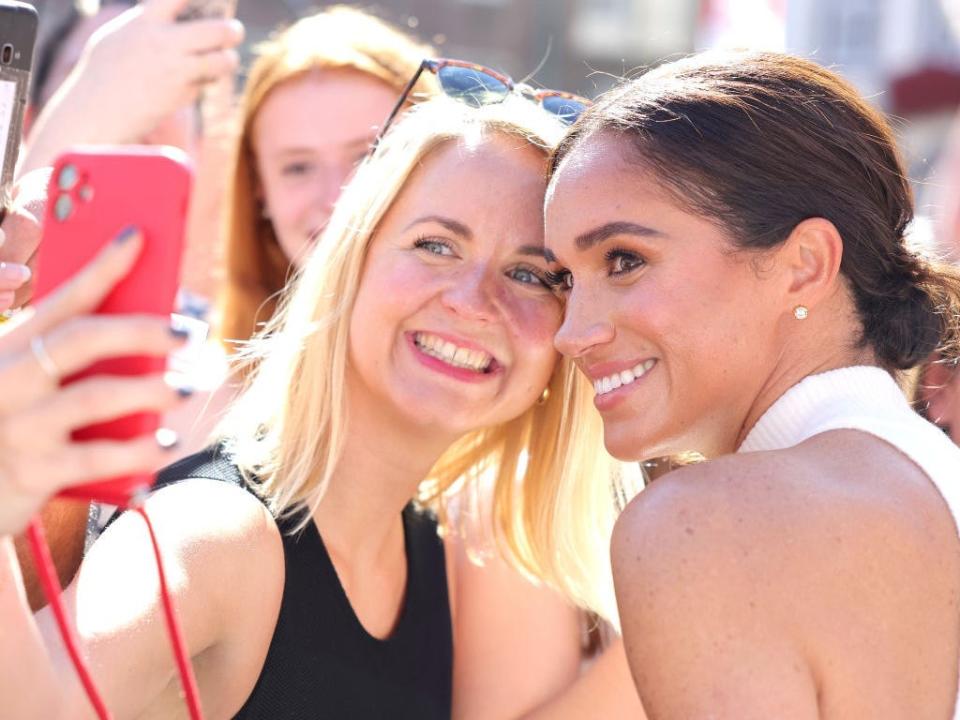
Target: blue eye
{"type": "Point", "coordinates": [433, 246]}
{"type": "Point", "coordinates": [528, 276]}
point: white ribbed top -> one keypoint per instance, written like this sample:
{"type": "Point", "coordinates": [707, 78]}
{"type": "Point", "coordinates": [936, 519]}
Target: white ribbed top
{"type": "Point", "coordinates": [866, 399]}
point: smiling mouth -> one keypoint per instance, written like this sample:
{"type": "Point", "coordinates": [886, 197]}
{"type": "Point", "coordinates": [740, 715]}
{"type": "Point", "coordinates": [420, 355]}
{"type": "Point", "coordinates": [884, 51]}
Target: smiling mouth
{"type": "Point", "coordinates": [476, 361]}
{"type": "Point", "coordinates": [609, 383]}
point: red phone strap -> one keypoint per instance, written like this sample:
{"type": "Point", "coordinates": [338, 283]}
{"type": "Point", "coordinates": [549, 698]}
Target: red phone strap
{"type": "Point", "coordinates": [53, 591]}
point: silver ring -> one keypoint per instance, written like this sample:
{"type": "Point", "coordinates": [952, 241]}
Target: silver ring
{"type": "Point", "coordinates": [46, 362]}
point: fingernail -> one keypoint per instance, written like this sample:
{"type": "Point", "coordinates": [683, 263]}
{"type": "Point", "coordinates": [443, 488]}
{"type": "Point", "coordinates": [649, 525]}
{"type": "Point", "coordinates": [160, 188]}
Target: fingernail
{"type": "Point", "coordinates": [166, 438]}
{"type": "Point", "coordinates": [14, 272]}
{"type": "Point", "coordinates": [126, 235]}
{"type": "Point", "coordinates": [180, 333]}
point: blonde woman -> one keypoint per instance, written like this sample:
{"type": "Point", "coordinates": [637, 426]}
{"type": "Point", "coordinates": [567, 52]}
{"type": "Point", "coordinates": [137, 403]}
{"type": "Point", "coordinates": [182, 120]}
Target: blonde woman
{"type": "Point", "coordinates": [414, 355]}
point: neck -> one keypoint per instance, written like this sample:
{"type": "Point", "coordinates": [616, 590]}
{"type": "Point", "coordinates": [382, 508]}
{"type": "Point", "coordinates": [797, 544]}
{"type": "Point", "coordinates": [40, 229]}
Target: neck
{"type": "Point", "coordinates": [795, 364]}
{"type": "Point", "coordinates": [384, 460]}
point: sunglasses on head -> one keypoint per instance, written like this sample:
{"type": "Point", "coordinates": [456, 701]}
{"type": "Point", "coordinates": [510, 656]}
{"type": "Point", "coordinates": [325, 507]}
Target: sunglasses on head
{"type": "Point", "coordinates": [477, 85]}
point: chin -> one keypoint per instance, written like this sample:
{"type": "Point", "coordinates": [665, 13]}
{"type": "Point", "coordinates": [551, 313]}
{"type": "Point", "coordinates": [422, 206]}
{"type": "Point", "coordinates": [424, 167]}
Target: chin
{"type": "Point", "coordinates": [624, 445]}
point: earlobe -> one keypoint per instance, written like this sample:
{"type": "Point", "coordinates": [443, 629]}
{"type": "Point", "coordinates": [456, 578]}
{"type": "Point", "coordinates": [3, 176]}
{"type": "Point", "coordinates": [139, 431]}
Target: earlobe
{"type": "Point", "coordinates": [814, 251]}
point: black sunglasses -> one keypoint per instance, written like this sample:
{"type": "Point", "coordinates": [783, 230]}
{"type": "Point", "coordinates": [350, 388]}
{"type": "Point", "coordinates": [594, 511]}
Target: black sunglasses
{"type": "Point", "coordinates": [477, 85]}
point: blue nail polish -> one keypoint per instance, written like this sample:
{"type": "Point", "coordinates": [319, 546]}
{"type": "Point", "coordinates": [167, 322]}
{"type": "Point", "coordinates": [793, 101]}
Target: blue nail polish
{"type": "Point", "coordinates": [126, 235]}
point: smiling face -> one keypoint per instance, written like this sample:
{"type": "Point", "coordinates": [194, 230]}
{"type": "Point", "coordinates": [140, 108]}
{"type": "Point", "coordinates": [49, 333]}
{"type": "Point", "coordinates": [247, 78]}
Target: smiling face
{"type": "Point", "coordinates": [453, 324]}
{"type": "Point", "coordinates": [676, 330]}
{"type": "Point", "coordinates": [308, 137]}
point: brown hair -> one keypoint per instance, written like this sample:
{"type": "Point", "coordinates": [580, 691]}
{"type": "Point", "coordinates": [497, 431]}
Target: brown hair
{"type": "Point", "coordinates": [759, 142]}
{"type": "Point", "coordinates": [339, 38]}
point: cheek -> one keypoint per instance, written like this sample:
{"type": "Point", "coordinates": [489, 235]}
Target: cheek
{"type": "Point", "coordinates": [533, 323]}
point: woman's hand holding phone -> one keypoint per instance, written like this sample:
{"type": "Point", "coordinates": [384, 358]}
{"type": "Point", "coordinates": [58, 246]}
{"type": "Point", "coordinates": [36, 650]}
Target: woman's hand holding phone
{"type": "Point", "coordinates": [55, 339]}
{"type": "Point", "coordinates": [136, 70]}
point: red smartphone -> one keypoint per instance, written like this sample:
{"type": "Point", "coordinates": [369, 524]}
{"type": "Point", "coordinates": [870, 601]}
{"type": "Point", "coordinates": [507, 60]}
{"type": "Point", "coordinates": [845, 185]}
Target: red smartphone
{"type": "Point", "coordinates": [94, 194]}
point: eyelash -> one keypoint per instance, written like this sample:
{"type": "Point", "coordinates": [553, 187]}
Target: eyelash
{"type": "Point", "coordinates": [561, 280]}
{"type": "Point", "coordinates": [615, 254]}
{"type": "Point", "coordinates": [424, 243]}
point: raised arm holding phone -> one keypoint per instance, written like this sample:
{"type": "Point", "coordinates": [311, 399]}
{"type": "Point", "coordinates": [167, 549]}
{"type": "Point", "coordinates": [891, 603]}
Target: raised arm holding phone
{"type": "Point", "coordinates": [136, 70]}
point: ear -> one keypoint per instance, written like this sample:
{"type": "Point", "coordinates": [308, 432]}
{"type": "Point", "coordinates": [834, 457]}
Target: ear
{"type": "Point", "coordinates": [812, 255]}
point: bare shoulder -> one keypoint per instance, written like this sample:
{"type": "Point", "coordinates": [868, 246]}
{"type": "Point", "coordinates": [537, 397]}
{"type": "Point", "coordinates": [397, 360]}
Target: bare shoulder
{"type": "Point", "coordinates": [762, 557]}
{"type": "Point", "coordinates": [223, 558]}
{"type": "Point", "coordinates": [843, 491]}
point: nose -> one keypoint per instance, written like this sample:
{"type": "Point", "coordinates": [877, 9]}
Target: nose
{"type": "Point", "coordinates": [584, 328]}
{"type": "Point", "coordinates": [330, 184]}
{"type": "Point", "coordinates": [471, 295]}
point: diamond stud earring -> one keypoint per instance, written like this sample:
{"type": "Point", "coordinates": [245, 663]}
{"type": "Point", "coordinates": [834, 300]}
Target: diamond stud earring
{"type": "Point", "coordinates": [800, 312]}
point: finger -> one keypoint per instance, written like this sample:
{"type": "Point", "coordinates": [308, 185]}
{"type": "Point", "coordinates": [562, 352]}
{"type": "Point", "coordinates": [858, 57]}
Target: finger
{"type": "Point", "coordinates": [80, 342]}
{"type": "Point", "coordinates": [93, 460]}
{"type": "Point", "coordinates": [7, 298]}
{"type": "Point", "coordinates": [103, 398]}
{"type": "Point", "coordinates": [210, 66]}
{"type": "Point", "coordinates": [22, 231]}
{"type": "Point", "coordinates": [12, 276]}
{"type": "Point", "coordinates": [199, 36]}
{"type": "Point", "coordinates": [85, 291]}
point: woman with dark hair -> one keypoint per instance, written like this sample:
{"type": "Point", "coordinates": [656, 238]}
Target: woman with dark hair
{"type": "Point", "coordinates": [737, 282]}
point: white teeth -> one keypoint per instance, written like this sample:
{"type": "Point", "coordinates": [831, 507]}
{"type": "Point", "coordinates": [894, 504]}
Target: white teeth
{"type": "Point", "coordinates": [606, 384]}
{"type": "Point", "coordinates": [475, 360]}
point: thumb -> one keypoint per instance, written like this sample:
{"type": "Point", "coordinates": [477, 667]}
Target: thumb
{"type": "Point", "coordinates": [163, 10]}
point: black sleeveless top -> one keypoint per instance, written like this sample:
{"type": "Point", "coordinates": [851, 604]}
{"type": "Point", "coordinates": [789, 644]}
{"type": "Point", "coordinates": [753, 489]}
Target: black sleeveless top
{"type": "Point", "coordinates": [322, 663]}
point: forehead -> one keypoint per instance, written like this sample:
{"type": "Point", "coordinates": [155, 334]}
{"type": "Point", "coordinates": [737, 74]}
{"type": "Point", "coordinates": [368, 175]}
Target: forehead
{"type": "Point", "coordinates": [497, 169]}
{"type": "Point", "coordinates": [602, 174]}
{"type": "Point", "coordinates": [322, 107]}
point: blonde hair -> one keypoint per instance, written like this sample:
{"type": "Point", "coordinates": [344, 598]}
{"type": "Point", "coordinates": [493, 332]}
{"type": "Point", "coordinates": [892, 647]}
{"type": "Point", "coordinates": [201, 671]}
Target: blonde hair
{"type": "Point", "coordinates": [286, 431]}
{"type": "Point", "coordinates": [339, 38]}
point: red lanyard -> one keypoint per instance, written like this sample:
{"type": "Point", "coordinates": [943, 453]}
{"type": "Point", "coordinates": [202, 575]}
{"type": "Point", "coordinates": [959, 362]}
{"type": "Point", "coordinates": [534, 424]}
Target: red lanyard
{"type": "Point", "coordinates": [51, 588]}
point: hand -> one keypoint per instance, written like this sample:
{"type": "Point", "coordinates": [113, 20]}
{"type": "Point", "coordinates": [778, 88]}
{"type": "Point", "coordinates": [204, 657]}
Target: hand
{"type": "Point", "coordinates": [20, 237]}
{"type": "Point", "coordinates": [37, 455]}
{"type": "Point", "coordinates": [143, 65]}
{"type": "Point", "coordinates": [136, 70]}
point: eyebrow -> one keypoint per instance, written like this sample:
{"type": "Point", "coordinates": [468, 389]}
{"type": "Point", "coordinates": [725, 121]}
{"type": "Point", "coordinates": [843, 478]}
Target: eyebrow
{"type": "Point", "coordinates": [537, 251]}
{"type": "Point", "coordinates": [453, 226]}
{"type": "Point", "coordinates": [598, 235]}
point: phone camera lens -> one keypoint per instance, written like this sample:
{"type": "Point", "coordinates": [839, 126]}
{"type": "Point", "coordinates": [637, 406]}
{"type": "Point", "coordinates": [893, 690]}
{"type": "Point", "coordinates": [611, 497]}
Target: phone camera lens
{"type": "Point", "coordinates": [63, 208]}
{"type": "Point", "coordinates": [68, 177]}
{"type": "Point", "coordinates": [6, 54]}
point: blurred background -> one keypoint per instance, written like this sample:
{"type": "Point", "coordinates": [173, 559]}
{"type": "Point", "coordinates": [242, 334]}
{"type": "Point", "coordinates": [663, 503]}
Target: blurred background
{"type": "Point", "coordinates": [902, 54]}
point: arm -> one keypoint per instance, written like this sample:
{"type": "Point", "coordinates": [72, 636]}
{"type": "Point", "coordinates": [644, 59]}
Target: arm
{"type": "Point", "coordinates": [136, 70]}
{"type": "Point", "coordinates": [604, 690]}
{"type": "Point", "coordinates": [708, 634]}
{"type": "Point", "coordinates": [216, 538]}
{"type": "Point", "coordinates": [515, 644]}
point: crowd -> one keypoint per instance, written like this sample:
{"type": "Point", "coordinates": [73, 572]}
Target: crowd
{"type": "Point", "coordinates": [456, 320]}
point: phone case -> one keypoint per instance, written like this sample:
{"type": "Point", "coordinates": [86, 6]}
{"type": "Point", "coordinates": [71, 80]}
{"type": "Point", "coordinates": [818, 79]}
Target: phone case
{"type": "Point", "coordinates": [94, 194]}
{"type": "Point", "coordinates": [18, 34]}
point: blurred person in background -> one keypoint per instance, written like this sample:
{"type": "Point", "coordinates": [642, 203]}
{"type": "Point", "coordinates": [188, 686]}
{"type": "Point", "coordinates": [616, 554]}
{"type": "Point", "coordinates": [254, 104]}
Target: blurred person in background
{"type": "Point", "coordinates": [307, 580]}
{"type": "Point", "coordinates": [314, 98]}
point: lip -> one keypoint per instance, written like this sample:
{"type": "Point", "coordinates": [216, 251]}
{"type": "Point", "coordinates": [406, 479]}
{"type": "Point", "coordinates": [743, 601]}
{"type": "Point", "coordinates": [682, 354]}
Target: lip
{"type": "Point", "coordinates": [612, 399]}
{"type": "Point", "coordinates": [440, 366]}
